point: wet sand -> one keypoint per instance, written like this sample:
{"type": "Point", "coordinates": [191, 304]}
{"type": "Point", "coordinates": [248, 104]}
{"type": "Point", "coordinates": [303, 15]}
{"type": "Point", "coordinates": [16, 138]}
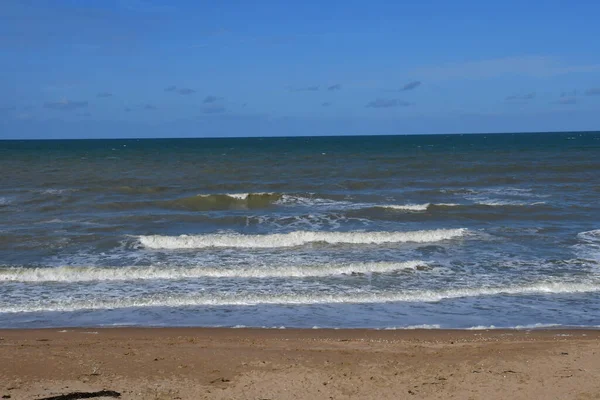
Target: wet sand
{"type": "Point", "coordinates": [204, 363]}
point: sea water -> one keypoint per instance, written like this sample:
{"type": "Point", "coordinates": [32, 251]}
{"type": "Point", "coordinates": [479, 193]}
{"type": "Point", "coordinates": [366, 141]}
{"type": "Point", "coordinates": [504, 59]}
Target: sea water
{"type": "Point", "coordinates": [444, 231]}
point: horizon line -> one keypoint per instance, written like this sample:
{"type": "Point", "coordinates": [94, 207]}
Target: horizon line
{"type": "Point", "coordinates": [307, 136]}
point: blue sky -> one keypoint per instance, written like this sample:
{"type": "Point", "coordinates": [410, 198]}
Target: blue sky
{"type": "Point", "coordinates": [157, 68]}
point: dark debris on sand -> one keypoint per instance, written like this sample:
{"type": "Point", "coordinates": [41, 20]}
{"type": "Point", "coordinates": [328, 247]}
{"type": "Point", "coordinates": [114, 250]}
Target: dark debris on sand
{"type": "Point", "coordinates": [84, 395]}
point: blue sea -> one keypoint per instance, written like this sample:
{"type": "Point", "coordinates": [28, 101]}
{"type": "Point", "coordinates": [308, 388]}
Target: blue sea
{"type": "Point", "coordinates": [385, 232]}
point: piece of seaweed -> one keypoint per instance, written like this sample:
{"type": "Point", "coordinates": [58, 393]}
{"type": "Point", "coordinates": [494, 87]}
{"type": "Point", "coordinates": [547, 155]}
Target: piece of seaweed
{"type": "Point", "coordinates": [84, 395]}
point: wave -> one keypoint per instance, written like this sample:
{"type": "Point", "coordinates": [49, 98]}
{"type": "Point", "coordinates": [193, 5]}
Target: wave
{"type": "Point", "coordinates": [417, 207]}
{"type": "Point", "coordinates": [314, 199]}
{"type": "Point", "coordinates": [479, 204]}
{"type": "Point", "coordinates": [477, 327]}
{"type": "Point", "coordinates": [508, 203]}
{"type": "Point", "coordinates": [412, 327]}
{"type": "Point", "coordinates": [233, 201]}
{"type": "Point", "coordinates": [216, 299]}
{"type": "Point", "coordinates": [591, 237]}
{"type": "Point", "coordinates": [322, 201]}
{"type": "Point", "coordinates": [516, 327]}
{"type": "Point", "coordinates": [228, 201]}
{"type": "Point", "coordinates": [294, 239]}
{"type": "Point", "coordinates": [91, 274]}
{"type": "Point", "coordinates": [55, 191]}
{"type": "Point", "coordinates": [589, 249]}
{"type": "Point", "coordinates": [407, 207]}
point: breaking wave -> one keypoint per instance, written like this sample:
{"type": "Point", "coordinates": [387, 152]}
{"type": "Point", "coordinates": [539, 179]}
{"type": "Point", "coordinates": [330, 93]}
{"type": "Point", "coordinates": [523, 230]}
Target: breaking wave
{"type": "Point", "coordinates": [88, 274]}
{"type": "Point", "coordinates": [590, 246]}
{"type": "Point", "coordinates": [416, 207]}
{"type": "Point", "coordinates": [219, 299]}
{"type": "Point", "coordinates": [230, 201]}
{"type": "Point", "coordinates": [592, 237]}
{"type": "Point", "coordinates": [293, 239]}
{"type": "Point", "coordinates": [479, 204]}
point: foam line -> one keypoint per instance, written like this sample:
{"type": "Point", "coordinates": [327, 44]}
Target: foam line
{"type": "Point", "coordinates": [297, 238]}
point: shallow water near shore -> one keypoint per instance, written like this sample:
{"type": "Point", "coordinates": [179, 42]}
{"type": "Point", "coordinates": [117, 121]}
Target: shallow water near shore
{"type": "Point", "coordinates": [447, 231]}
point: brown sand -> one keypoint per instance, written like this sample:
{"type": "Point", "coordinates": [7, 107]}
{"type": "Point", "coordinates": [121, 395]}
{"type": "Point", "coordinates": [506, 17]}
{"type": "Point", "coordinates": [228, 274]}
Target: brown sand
{"type": "Point", "coordinates": [195, 363]}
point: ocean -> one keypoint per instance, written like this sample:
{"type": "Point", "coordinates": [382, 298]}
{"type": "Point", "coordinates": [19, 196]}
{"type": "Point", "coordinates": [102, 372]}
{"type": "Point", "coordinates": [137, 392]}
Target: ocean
{"type": "Point", "coordinates": [383, 232]}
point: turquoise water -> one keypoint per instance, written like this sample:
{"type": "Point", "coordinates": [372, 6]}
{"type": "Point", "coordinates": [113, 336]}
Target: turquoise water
{"type": "Point", "coordinates": [451, 231]}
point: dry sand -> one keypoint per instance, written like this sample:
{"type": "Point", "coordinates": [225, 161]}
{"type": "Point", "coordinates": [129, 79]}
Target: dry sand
{"type": "Point", "coordinates": [196, 363]}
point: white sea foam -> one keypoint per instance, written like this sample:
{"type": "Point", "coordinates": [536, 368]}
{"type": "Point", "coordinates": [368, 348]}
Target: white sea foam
{"type": "Point", "coordinates": [538, 325]}
{"type": "Point", "coordinates": [55, 192]}
{"type": "Point", "coordinates": [498, 203]}
{"type": "Point", "coordinates": [244, 196]}
{"type": "Point", "coordinates": [417, 207]}
{"type": "Point", "coordinates": [4, 201]}
{"type": "Point", "coordinates": [479, 202]}
{"type": "Point", "coordinates": [481, 327]}
{"type": "Point", "coordinates": [216, 299]}
{"type": "Point", "coordinates": [505, 203]}
{"type": "Point", "coordinates": [312, 200]}
{"type": "Point", "coordinates": [407, 207]}
{"type": "Point", "coordinates": [517, 327]}
{"type": "Point", "coordinates": [592, 237]}
{"type": "Point", "coordinates": [509, 191]}
{"type": "Point", "coordinates": [410, 327]}
{"type": "Point", "coordinates": [590, 247]}
{"type": "Point", "coordinates": [293, 239]}
{"type": "Point", "coordinates": [87, 274]}
{"type": "Point", "coordinates": [283, 198]}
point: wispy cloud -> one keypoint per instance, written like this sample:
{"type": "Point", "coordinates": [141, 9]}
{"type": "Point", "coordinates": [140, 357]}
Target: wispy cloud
{"type": "Point", "coordinates": [410, 86]}
{"type": "Point", "coordinates": [186, 91]}
{"type": "Point", "coordinates": [530, 66]}
{"type": "Point", "coordinates": [66, 105]}
{"type": "Point", "coordinates": [104, 94]}
{"type": "Point", "coordinates": [593, 92]}
{"type": "Point", "coordinates": [387, 103]}
{"type": "Point", "coordinates": [326, 104]}
{"type": "Point", "coordinates": [85, 114]}
{"type": "Point", "coordinates": [127, 109]}
{"type": "Point", "coordinates": [149, 107]}
{"type": "Point", "coordinates": [214, 109]}
{"type": "Point", "coordinates": [522, 97]}
{"type": "Point", "coordinates": [211, 99]}
{"type": "Point", "coordinates": [337, 86]}
{"type": "Point", "coordinates": [183, 91]}
{"type": "Point", "coordinates": [306, 89]}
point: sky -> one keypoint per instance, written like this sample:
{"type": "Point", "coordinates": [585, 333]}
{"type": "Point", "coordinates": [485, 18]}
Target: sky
{"type": "Point", "coordinates": [225, 68]}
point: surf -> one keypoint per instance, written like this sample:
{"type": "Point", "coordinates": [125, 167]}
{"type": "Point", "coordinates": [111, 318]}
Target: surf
{"type": "Point", "coordinates": [294, 239]}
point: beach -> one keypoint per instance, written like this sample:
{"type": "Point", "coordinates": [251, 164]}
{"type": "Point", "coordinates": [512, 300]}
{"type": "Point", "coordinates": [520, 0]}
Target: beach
{"type": "Point", "coordinates": [434, 231]}
{"type": "Point", "coordinates": [273, 200]}
{"type": "Point", "coordinates": [215, 363]}
{"type": "Point", "coordinates": [390, 267]}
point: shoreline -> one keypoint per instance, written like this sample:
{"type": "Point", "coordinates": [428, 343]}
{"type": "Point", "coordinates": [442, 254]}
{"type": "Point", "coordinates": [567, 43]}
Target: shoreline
{"type": "Point", "coordinates": [257, 363]}
{"type": "Point", "coordinates": [243, 328]}
{"type": "Point", "coordinates": [415, 329]}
